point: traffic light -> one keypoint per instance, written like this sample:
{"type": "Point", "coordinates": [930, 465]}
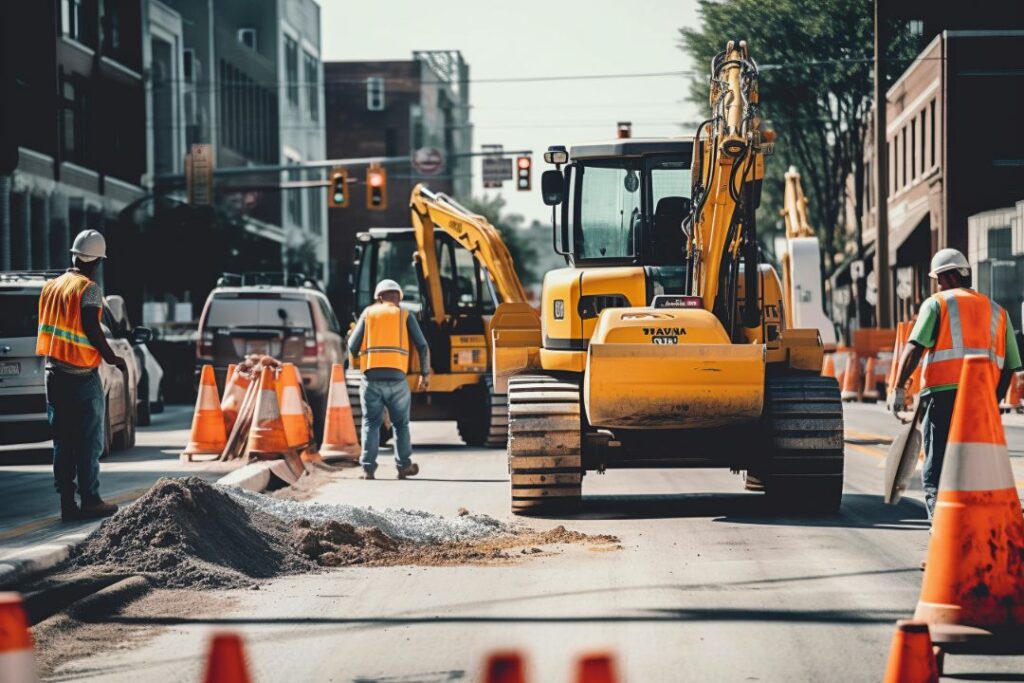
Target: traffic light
{"type": "Point", "coordinates": [337, 196]}
{"type": "Point", "coordinates": [523, 165]}
{"type": "Point", "coordinates": [376, 188]}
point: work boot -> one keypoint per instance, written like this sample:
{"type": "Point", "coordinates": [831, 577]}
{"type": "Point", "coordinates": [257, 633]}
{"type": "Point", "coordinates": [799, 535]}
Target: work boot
{"type": "Point", "coordinates": [98, 508]}
{"type": "Point", "coordinates": [410, 470]}
{"type": "Point", "coordinates": [367, 474]}
{"type": "Point", "coordinates": [69, 511]}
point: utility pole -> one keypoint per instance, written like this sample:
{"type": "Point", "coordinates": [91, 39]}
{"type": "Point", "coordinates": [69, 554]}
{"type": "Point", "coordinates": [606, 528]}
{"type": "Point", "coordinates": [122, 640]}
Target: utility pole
{"type": "Point", "coordinates": [883, 312]}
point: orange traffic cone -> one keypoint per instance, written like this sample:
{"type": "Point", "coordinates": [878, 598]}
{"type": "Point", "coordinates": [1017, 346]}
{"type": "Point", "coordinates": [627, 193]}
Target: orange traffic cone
{"type": "Point", "coordinates": [17, 660]}
{"type": "Point", "coordinates": [226, 661]}
{"type": "Point", "coordinates": [208, 434]}
{"type": "Point", "coordinates": [974, 579]}
{"type": "Point", "coordinates": [293, 412]}
{"type": "Point", "coordinates": [267, 440]}
{"type": "Point", "coordinates": [1012, 399]}
{"type": "Point", "coordinates": [870, 392]}
{"type": "Point", "coordinates": [851, 378]}
{"type": "Point", "coordinates": [340, 439]}
{"type": "Point", "coordinates": [897, 351]}
{"type": "Point", "coordinates": [236, 384]}
{"type": "Point", "coordinates": [596, 668]}
{"type": "Point", "coordinates": [828, 366]}
{"type": "Point", "coordinates": [228, 375]}
{"type": "Point", "coordinates": [504, 667]}
{"type": "Point", "coordinates": [911, 658]}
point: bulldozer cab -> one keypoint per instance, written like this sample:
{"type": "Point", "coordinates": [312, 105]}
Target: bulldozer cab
{"type": "Point", "coordinates": [624, 203]}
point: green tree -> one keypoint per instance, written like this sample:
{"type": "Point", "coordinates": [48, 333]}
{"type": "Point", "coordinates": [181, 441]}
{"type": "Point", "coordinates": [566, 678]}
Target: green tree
{"type": "Point", "coordinates": [816, 62]}
{"type": "Point", "coordinates": [510, 225]}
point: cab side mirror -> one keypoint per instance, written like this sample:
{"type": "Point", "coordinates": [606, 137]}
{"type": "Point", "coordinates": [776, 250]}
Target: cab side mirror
{"type": "Point", "coordinates": [552, 187]}
{"type": "Point", "coordinates": [141, 335]}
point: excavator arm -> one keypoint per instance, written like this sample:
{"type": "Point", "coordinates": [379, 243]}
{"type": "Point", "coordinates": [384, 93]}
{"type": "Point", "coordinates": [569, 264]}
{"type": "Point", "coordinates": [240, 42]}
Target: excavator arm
{"type": "Point", "coordinates": [436, 211]}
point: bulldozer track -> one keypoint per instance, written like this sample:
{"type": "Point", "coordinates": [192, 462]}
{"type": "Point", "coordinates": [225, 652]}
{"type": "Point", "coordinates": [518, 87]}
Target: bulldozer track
{"type": "Point", "coordinates": [805, 423]}
{"type": "Point", "coordinates": [545, 461]}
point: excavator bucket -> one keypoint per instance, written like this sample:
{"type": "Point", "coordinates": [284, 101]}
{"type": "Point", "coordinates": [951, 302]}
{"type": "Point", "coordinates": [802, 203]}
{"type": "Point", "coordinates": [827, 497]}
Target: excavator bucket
{"type": "Point", "coordinates": [670, 369]}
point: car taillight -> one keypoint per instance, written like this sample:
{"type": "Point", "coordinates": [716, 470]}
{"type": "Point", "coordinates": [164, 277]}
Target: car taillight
{"type": "Point", "coordinates": [310, 347]}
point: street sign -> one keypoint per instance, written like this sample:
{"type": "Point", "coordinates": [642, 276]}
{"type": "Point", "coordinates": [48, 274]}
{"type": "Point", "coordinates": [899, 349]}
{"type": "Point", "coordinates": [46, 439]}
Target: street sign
{"type": "Point", "coordinates": [428, 160]}
{"type": "Point", "coordinates": [496, 167]}
{"type": "Point", "coordinates": [199, 175]}
{"type": "Point", "coordinates": [857, 269]}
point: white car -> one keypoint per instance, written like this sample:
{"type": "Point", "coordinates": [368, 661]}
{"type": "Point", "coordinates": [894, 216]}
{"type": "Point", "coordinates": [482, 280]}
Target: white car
{"type": "Point", "coordinates": [22, 378]}
{"type": "Point", "coordinates": [151, 377]}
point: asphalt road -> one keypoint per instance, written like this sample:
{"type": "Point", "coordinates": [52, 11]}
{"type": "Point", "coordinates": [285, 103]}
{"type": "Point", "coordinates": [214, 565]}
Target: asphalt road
{"type": "Point", "coordinates": [709, 585]}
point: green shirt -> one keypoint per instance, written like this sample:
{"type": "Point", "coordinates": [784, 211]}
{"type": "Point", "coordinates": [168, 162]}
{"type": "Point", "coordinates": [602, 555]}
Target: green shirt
{"type": "Point", "coordinates": [926, 330]}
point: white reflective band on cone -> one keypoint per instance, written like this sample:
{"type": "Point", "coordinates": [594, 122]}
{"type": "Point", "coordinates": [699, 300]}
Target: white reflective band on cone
{"type": "Point", "coordinates": [976, 467]}
{"type": "Point", "coordinates": [291, 404]}
{"type": "Point", "coordinates": [267, 408]}
{"type": "Point", "coordinates": [207, 399]}
{"type": "Point", "coordinates": [338, 397]}
{"type": "Point", "coordinates": [18, 666]}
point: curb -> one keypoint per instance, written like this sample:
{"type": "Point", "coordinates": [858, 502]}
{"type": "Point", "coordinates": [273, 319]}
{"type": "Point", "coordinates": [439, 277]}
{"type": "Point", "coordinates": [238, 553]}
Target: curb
{"type": "Point", "coordinates": [39, 558]}
{"type": "Point", "coordinates": [258, 476]}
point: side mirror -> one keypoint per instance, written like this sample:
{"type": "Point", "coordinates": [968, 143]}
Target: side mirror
{"type": "Point", "coordinates": [141, 335]}
{"type": "Point", "coordinates": [552, 187]}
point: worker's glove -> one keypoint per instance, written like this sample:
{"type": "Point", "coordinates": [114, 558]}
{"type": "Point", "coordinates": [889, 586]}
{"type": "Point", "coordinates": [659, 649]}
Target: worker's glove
{"type": "Point", "coordinates": [899, 401]}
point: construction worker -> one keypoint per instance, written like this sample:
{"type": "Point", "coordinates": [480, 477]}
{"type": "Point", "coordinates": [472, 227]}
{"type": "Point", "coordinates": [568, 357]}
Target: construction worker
{"type": "Point", "coordinates": [382, 338]}
{"type": "Point", "coordinates": [70, 337]}
{"type": "Point", "coordinates": [952, 324]}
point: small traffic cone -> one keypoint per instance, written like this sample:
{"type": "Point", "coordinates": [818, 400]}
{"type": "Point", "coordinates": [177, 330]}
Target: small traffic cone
{"type": "Point", "coordinates": [596, 668]}
{"type": "Point", "coordinates": [851, 379]}
{"type": "Point", "coordinates": [227, 377]}
{"type": "Point", "coordinates": [340, 439]}
{"type": "Point", "coordinates": [293, 412]}
{"type": "Point", "coordinates": [17, 659]}
{"type": "Point", "coordinates": [870, 392]}
{"type": "Point", "coordinates": [208, 434]}
{"type": "Point", "coordinates": [828, 366]}
{"type": "Point", "coordinates": [911, 657]}
{"type": "Point", "coordinates": [504, 667]}
{"type": "Point", "coordinates": [234, 393]}
{"type": "Point", "coordinates": [267, 438]}
{"type": "Point", "coordinates": [226, 661]}
{"type": "Point", "coordinates": [974, 576]}
{"type": "Point", "coordinates": [897, 351]}
{"type": "Point", "coordinates": [1012, 399]}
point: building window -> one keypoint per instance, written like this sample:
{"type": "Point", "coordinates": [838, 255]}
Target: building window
{"type": "Point", "coordinates": [111, 28]}
{"type": "Point", "coordinates": [868, 182]}
{"type": "Point", "coordinates": [1000, 243]}
{"type": "Point", "coordinates": [291, 66]}
{"type": "Point", "coordinates": [904, 181]}
{"type": "Point", "coordinates": [294, 199]}
{"type": "Point", "coordinates": [312, 65]}
{"type": "Point", "coordinates": [71, 18]}
{"type": "Point", "coordinates": [69, 120]}
{"type": "Point", "coordinates": [891, 149]}
{"type": "Point", "coordinates": [247, 37]}
{"type": "Point", "coordinates": [913, 149]}
{"type": "Point", "coordinates": [931, 137]}
{"type": "Point", "coordinates": [915, 27]}
{"type": "Point", "coordinates": [375, 93]}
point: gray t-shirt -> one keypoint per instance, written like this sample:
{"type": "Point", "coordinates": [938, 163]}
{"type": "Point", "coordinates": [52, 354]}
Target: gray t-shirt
{"type": "Point", "coordinates": [92, 298]}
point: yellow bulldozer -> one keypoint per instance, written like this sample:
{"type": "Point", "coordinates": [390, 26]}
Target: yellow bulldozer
{"type": "Point", "coordinates": [665, 342]}
{"type": "Point", "coordinates": [454, 269]}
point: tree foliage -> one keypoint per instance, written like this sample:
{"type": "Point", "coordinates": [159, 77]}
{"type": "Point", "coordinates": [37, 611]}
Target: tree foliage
{"type": "Point", "coordinates": [816, 62]}
{"type": "Point", "coordinates": [510, 225]}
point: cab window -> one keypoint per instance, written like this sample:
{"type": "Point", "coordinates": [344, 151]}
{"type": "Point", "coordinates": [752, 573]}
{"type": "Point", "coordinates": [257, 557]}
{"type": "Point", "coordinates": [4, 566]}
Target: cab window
{"type": "Point", "coordinates": [608, 213]}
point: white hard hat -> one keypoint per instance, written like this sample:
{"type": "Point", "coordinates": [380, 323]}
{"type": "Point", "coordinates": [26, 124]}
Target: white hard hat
{"type": "Point", "coordinates": [949, 259]}
{"type": "Point", "coordinates": [89, 246]}
{"type": "Point", "coordinates": [387, 286]}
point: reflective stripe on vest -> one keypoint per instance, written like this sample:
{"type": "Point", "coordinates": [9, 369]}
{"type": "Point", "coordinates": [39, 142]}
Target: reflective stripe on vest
{"type": "Point", "coordinates": [385, 338]}
{"type": "Point", "coordinates": [962, 332]}
{"type": "Point", "coordinates": [61, 335]}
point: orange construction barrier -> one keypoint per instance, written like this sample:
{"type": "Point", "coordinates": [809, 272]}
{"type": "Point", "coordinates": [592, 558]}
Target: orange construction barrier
{"type": "Point", "coordinates": [828, 366]}
{"type": "Point", "coordinates": [340, 440]}
{"type": "Point", "coordinates": [851, 378]}
{"type": "Point", "coordinates": [293, 413]}
{"type": "Point", "coordinates": [973, 584]}
{"type": "Point", "coordinates": [17, 659]}
{"type": "Point", "coordinates": [208, 433]}
{"type": "Point", "coordinates": [226, 660]}
{"type": "Point", "coordinates": [504, 667]}
{"type": "Point", "coordinates": [870, 392]}
{"type": "Point", "coordinates": [596, 668]}
{"type": "Point", "coordinates": [911, 657]}
{"type": "Point", "coordinates": [236, 384]}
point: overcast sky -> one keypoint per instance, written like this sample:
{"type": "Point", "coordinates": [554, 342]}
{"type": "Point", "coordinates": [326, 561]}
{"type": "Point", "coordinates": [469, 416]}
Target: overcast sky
{"type": "Point", "coordinates": [531, 38]}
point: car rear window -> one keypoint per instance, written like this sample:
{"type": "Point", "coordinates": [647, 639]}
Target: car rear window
{"type": "Point", "coordinates": [19, 313]}
{"type": "Point", "coordinates": [245, 312]}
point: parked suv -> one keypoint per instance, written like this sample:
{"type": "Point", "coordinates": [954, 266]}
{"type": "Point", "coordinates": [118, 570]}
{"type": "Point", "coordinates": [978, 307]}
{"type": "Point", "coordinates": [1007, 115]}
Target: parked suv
{"type": "Point", "coordinates": [151, 375]}
{"type": "Point", "coordinates": [23, 382]}
{"type": "Point", "coordinates": [265, 313]}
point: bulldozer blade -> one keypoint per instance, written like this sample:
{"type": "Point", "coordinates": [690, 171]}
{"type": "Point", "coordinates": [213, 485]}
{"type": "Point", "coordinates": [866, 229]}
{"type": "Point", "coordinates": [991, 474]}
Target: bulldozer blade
{"type": "Point", "coordinates": [902, 458]}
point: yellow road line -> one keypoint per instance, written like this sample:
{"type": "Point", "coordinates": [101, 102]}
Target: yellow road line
{"type": "Point", "coordinates": [866, 450]}
{"type": "Point", "coordinates": [866, 436]}
{"type": "Point", "coordinates": [38, 524]}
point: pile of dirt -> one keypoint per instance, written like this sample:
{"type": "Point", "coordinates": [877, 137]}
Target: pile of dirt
{"type": "Point", "coordinates": [187, 533]}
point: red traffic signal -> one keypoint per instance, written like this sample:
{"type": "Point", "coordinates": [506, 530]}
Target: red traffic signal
{"type": "Point", "coordinates": [337, 191]}
{"type": "Point", "coordinates": [376, 188]}
{"type": "Point", "coordinates": [523, 165]}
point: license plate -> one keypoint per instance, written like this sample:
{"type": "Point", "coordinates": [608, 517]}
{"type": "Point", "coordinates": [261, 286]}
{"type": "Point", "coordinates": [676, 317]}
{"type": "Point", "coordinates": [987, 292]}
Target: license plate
{"type": "Point", "coordinates": [666, 339]}
{"type": "Point", "coordinates": [10, 369]}
{"type": "Point", "coordinates": [261, 348]}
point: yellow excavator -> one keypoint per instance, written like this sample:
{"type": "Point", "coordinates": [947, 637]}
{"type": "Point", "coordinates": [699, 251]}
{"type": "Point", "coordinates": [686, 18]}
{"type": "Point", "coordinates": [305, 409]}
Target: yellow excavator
{"type": "Point", "coordinates": [455, 270]}
{"type": "Point", "coordinates": [666, 342]}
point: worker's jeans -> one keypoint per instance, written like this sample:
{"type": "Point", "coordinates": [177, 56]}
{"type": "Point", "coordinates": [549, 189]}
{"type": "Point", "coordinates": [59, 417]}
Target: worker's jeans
{"type": "Point", "coordinates": [375, 396]}
{"type": "Point", "coordinates": [76, 410]}
{"type": "Point", "coordinates": [938, 413]}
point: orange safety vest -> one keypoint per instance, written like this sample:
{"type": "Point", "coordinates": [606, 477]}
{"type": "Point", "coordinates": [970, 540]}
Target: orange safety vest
{"type": "Point", "coordinates": [61, 335]}
{"type": "Point", "coordinates": [385, 337]}
{"type": "Point", "coordinates": [970, 324]}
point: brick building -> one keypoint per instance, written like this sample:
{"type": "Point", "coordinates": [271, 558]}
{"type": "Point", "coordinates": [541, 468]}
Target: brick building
{"type": "Point", "coordinates": [389, 109]}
